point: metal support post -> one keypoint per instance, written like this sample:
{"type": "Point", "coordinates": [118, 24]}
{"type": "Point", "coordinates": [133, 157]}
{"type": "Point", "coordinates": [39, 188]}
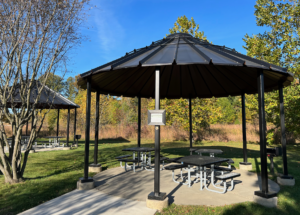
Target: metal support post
{"type": "Point", "coordinates": [244, 128]}
{"type": "Point", "coordinates": [139, 127]}
{"type": "Point", "coordinates": [262, 132]}
{"type": "Point", "coordinates": [57, 125]}
{"type": "Point", "coordinates": [139, 122]}
{"type": "Point", "coordinates": [283, 134]}
{"type": "Point", "coordinates": [87, 133]}
{"type": "Point", "coordinates": [191, 125]}
{"type": "Point", "coordinates": [75, 126]}
{"type": "Point", "coordinates": [97, 128]}
{"type": "Point", "coordinates": [68, 126]}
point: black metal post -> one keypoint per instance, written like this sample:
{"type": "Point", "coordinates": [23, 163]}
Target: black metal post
{"type": "Point", "coordinates": [139, 128]}
{"type": "Point", "coordinates": [283, 134]}
{"type": "Point", "coordinates": [97, 128]}
{"type": "Point", "coordinates": [157, 195]}
{"type": "Point", "coordinates": [244, 128]}
{"type": "Point", "coordinates": [262, 133]}
{"type": "Point", "coordinates": [139, 122]}
{"type": "Point", "coordinates": [87, 130]}
{"type": "Point", "coordinates": [68, 125]}
{"type": "Point", "coordinates": [57, 126]}
{"type": "Point", "coordinates": [75, 125]}
{"type": "Point", "coordinates": [191, 125]}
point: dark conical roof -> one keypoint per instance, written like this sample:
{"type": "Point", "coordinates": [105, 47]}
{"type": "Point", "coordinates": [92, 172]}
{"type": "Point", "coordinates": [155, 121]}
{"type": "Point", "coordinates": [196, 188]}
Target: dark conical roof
{"type": "Point", "coordinates": [48, 99]}
{"type": "Point", "coordinates": [189, 67]}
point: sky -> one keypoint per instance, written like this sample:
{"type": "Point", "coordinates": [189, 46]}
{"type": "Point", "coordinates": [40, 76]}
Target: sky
{"type": "Point", "coordinates": [115, 27]}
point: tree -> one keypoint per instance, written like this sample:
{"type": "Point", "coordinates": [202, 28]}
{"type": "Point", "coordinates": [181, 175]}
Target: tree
{"type": "Point", "coordinates": [35, 39]}
{"type": "Point", "coordinates": [184, 25]}
{"type": "Point", "coordinates": [279, 46]}
{"type": "Point", "coordinates": [71, 89]}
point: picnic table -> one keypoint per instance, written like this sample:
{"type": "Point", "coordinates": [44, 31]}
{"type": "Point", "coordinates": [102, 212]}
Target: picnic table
{"type": "Point", "coordinates": [57, 138]}
{"type": "Point", "coordinates": [141, 151]}
{"type": "Point", "coordinates": [202, 162]}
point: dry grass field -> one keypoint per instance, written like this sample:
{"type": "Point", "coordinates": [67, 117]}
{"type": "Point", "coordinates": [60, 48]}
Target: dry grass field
{"type": "Point", "coordinates": [216, 132]}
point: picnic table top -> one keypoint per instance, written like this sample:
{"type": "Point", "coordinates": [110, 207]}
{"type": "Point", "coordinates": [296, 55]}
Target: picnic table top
{"type": "Point", "coordinates": [197, 160]}
{"type": "Point", "coordinates": [139, 149]}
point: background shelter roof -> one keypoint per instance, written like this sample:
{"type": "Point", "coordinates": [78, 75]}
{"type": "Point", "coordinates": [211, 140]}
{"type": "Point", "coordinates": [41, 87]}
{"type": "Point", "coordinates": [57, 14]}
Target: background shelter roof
{"type": "Point", "coordinates": [48, 99]}
{"type": "Point", "coordinates": [189, 67]}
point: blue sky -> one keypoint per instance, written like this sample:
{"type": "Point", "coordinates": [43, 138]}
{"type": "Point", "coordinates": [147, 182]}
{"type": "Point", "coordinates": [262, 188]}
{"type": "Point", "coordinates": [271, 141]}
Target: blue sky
{"type": "Point", "coordinates": [119, 26]}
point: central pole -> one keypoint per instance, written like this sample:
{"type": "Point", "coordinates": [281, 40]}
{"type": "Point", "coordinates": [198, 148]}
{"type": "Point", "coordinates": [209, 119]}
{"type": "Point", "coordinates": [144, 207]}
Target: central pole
{"type": "Point", "coordinates": [157, 136]}
{"type": "Point", "coordinates": [157, 195]}
{"type": "Point", "coordinates": [191, 125]}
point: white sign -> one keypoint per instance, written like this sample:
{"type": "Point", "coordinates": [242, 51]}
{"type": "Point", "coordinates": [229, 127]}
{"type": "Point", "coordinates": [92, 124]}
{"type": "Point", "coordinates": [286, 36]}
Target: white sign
{"type": "Point", "coordinates": [156, 117]}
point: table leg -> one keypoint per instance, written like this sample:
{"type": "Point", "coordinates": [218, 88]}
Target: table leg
{"type": "Point", "coordinates": [189, 175]}
{"type": "Point", "coordinates": [149, 160]}
{"type": "Point", "coordinates": [201, 179]}
{"type": "Point", "coordinates": [133, 156]}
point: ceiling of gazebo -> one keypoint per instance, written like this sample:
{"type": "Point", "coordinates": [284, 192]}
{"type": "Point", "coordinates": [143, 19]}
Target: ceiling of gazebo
{"type": "Point", "coordinates": [189, 67]}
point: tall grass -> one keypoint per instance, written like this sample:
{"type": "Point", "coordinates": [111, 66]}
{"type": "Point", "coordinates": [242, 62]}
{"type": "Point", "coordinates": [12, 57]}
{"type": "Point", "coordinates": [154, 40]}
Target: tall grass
{"type": "Point", "coordinates": [217, 132]}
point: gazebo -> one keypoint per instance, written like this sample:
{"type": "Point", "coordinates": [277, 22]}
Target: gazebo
{"type": "Point", "coordinates": [181, 66]}
{"type": "Point", "coordinates": [49, 99]}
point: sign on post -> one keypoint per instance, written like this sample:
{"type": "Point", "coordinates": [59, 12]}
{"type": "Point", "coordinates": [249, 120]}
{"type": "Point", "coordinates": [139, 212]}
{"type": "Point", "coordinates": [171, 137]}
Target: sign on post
{"type": "Point", "coordinates": [156, 117]}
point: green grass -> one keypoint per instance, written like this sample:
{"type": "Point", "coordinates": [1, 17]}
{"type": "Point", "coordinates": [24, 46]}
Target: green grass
{"type": "Point", "coordinates": [51, 174]}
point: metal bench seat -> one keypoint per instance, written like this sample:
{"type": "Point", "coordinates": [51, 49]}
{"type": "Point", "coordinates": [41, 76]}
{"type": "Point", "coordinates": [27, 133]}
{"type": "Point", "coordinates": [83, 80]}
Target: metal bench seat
{"type": "Point", "coordinates": [123, 156]}
{"type": "Point", "coordinates": [162, 159]}
{"type": "Point", "coordinates": [230, 161]}
{"type": "Point", "coordinates": [228, 176]}
{"type": "Point", "coordinates": [223, 169]}
{"type": "Point", "coordinates": [223, 178]}
{"type": "Point", "coordinates": [128, 160]}
{"type": "Point", "coordinates": [173, 167]}
{"type": "Point", "coordinates": [174, 159]}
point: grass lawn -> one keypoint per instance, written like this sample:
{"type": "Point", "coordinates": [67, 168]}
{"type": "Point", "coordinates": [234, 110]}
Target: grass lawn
{"type": "Point", "coordinates": [51, 174]}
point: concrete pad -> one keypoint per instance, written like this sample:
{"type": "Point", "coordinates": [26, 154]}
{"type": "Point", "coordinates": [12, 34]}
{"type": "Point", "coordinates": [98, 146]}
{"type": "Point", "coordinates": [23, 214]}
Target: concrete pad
{"type": "Point", "coordinates": [157, 204]}
{"type": "Point", "coordinates": [85, 185]}
{"type": "Point", "coordinates": [95, 168]}
{"type": "Point", "coordinates": [135, 186]}
{"type": "Point", "coordinates": [80, 202]}
{"type": "Point", "coordinates": [66, 148]}
{"type": "Point", "coordinates": [32, 151]}
{"type": "Point", "coordinates": [286, 182]}
{"type": "Point", "coordinates": [245, 167]}
{"type": "Point", "coordinates": [270, 202]}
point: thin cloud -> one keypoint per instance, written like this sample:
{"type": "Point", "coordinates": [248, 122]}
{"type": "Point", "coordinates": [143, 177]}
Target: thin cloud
{"type": "Point", "coordinates": [109, 30]}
